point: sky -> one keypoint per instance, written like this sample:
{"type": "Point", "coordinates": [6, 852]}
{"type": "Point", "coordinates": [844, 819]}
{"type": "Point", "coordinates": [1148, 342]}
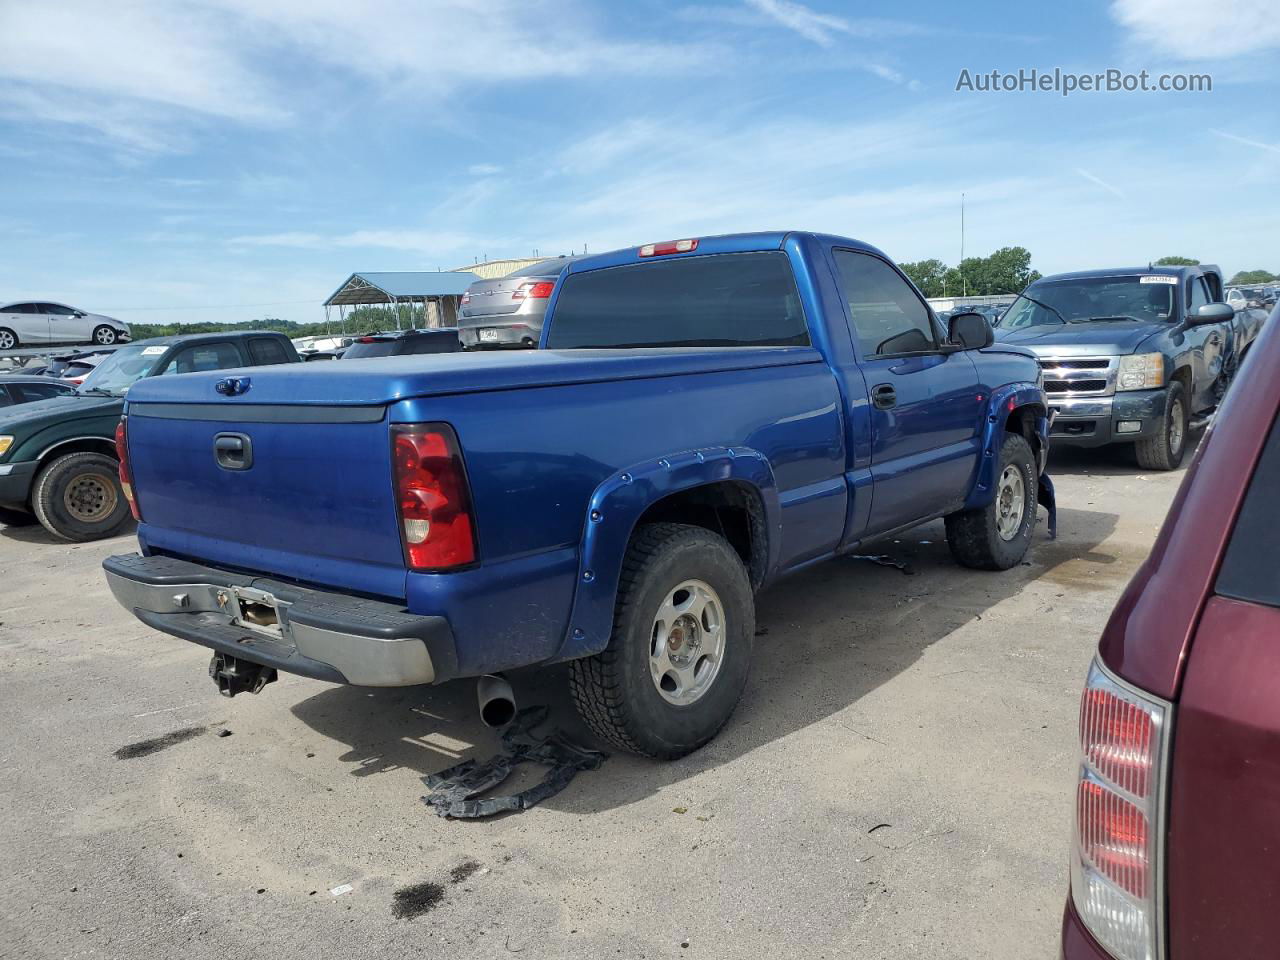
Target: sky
{"type": "Point", "coordinates": [233, 160]}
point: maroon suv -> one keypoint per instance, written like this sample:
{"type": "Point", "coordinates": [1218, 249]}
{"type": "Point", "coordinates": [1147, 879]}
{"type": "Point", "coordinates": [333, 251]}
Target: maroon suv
{"type": "Point", "coordinates": [1176, 854]}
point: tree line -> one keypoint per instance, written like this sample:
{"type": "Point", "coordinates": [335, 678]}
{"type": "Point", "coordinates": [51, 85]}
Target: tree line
{"type": "Point", "coordinates": [358, 321]}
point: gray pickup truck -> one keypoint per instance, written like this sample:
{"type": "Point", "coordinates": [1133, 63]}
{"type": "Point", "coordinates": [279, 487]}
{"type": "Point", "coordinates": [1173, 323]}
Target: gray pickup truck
{"type": "Point", "coordinates": [1136, 355]}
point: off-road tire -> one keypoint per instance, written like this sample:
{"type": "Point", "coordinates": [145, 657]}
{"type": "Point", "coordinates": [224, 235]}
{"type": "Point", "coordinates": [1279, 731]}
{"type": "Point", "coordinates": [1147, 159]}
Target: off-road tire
{"type": "Point", "coordinates": [1155, 452]}
{"type": "Point", "coordinates": [973, 535]}
{"type": "Point", "coordinates": [104, 335]}
{"type": "Point", "coordinates": [8, 339]}
{"type": "Point", "coordinates": [48, 498]}
{"type": "Point", "coordinates": [614, 691]}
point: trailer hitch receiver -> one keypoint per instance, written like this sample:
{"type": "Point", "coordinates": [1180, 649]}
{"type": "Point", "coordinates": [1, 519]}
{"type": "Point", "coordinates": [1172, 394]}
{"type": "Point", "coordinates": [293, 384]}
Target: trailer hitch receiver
{"type": "Point", "coordinates": [233, 675]}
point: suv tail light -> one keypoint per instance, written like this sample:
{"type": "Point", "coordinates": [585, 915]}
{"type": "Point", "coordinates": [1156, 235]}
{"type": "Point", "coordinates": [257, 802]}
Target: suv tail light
{"type": "Point", "coordinates": [1116, 860]}
{"type": "Point", "coordinates": [432, 498]}
{"type": "Point", "coordinates": [466, 298]}
{"type": "Point", "coordinates": [534, 291]}
{"type": "Point", "coordinates": [126, 470]}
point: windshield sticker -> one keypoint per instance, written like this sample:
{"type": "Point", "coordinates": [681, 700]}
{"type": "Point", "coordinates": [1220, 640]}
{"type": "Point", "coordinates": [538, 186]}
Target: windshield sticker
{"type": "Point", "coordinates": [153, 351]}
{"type": "Point", "coordinates": [1153, 278]}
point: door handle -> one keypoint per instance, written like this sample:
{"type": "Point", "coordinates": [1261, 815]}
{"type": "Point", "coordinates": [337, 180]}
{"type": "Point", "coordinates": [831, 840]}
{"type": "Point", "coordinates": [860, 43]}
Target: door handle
{"type": "Point", "coordinates": [233, 451]}
{"type": "Point", "coordinates": [884, 396]}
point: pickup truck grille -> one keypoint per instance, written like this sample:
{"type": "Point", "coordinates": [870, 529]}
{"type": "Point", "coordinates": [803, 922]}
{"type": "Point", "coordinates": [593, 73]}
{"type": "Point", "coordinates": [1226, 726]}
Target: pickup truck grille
{"type": "Point", "coordinates": [1079, 377]}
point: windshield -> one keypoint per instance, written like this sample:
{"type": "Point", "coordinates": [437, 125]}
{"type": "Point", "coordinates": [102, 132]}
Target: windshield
{"type": "Point", "coordinates": [1139, 298]}
{"type": "Point", "coordinates": [117, 373]}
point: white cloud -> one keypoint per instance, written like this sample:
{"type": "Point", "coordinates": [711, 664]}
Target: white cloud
{"type": "Point", "coordinates": [1195, 30]}
{"type": "Point", "coordinates": [1100, 182]}
{"type": "Point", "coordinates": [483, 169]}
{"type": "Point", "coordinates": [1257, 144]}
{"type": "Point", "coordinates": [134, 73]}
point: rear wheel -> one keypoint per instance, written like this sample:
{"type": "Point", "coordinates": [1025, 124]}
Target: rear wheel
{"type": "Point", "coordinates": [104, 335]}
{"type": "Point", "coordinates": [996, 537]}
{"type": "Point", "coordinates": [677, 660]}
{"type": "Point", "coordinates": [78, 497]}
{"type": "Point", "coordinates": [1163, 450]}
{"type": "Point", "coordinates": [8, 339]}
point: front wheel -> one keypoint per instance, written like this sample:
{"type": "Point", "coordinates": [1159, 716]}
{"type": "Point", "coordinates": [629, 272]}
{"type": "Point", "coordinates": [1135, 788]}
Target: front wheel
{"type": "Point", "coordinates": [78, 497]}
{"type": "Point", "coordinates": [104, 336]}
{"type": "Point", "coordinates": [1163, 450]}
{"type": "Point", "coordinates": [8, 339]}
{"type": "Point", "coordinates": [996, 537]}
{"type": "Point", "coordinates": [677, 660]}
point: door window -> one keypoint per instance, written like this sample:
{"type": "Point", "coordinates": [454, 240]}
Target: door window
{"type": "Point", "coordinates": [1196, 295]}
{"type": "Point", "coordinates": [267, 350]}
{"type": "Point", "coordinates": [56, 310]}
{"type": "Point", "coordinates": [22, 308]}
{"type": "Point", "coordinates": [204, 356]}
{"type": "Point", "coordinates": [888, 316]}
{"type": "Point", "coordinates": [26, 392]}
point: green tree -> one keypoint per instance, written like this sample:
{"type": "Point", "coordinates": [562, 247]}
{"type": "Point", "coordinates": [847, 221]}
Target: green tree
{"type": "Point", "coordinates": [1008, 270]}
{"type": "Point", "coordinates": [927, 275]}
{"type": "Point", "coordinates": [1177, 262]}
{"type": "Point", "coordinates": [1254, 276]}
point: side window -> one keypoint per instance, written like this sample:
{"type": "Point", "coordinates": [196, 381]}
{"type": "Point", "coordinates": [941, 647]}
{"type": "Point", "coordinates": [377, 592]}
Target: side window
{"type": "Point", "coordinates": [26, 392]}
{"type": "Point", "coordinates": [888, 317]}
{"type": "Point", "coordinates": [1251, 566]}
{"type": "Point", "coordinates": [1196, 294]}
{"type": "Point", "coordinates": [203, 356]}
{"type": "Point", "coordinates": [22, 308]}
{"type": "Point", "coordinates": [4, 396]}
{"type": "Point", "coordinates": [56, 310]}
{"type": "Point", "coordinates": [267, 350]}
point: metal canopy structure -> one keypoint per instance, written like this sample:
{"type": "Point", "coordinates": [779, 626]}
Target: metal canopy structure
{"type": "Point", "coordinates": [411, 298]}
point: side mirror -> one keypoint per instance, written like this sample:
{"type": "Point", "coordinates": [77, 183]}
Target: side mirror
{"type": "Point", "coordinates": [1210, 313]}
{"type": "Point", "coordinates": [970, 331]}
{"type": "Point", "coordinates": [77, 314]}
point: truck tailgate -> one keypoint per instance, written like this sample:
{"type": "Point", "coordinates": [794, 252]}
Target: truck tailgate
{"type": "Point", "coordinates": [314, 503]}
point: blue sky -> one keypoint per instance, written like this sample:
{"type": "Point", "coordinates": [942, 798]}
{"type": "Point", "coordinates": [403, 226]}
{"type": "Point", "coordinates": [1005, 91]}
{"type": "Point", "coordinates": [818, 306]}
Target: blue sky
{"type": "Point", "coordinates": [236, 159]}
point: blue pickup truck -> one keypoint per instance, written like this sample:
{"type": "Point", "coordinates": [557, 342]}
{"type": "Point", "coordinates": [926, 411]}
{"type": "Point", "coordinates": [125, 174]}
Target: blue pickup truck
{"type": "Point", "coordinates": [1138, 355]}
{"type": "Point", "coordinates": [705, 416]}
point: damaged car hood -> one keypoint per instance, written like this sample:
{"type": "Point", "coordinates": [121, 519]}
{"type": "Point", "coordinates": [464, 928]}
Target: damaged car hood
{"type": "Point", "coordinates": [1092, 338]}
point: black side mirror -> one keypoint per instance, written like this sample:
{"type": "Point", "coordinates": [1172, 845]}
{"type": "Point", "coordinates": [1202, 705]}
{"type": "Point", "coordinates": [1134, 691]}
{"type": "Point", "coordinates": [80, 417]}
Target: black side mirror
{"type": "Point", "coordinates": [970, 331]}
{"type": "Point", "coordinates": [1210, 313]}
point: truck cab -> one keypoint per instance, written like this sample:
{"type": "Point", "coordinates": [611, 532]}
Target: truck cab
{"type": "Point", "coordinates": [1131, 355]}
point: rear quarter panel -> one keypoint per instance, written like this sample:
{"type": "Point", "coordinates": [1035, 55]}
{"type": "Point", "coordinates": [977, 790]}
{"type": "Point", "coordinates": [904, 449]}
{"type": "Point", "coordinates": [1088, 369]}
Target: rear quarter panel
{"type": "Point", "coordinates": [534, 457]}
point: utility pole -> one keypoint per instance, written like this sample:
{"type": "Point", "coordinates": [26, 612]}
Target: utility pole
{"type": "Point", "coordinates": [964, 286]}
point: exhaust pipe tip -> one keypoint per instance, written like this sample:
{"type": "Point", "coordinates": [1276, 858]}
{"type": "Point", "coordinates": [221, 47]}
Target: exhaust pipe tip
{"type": "Point", "coordinates": [497, 701]}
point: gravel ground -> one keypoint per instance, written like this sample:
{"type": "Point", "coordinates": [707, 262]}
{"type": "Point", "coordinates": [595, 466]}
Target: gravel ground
{"type": "Point", "coordinates": [896, 783]}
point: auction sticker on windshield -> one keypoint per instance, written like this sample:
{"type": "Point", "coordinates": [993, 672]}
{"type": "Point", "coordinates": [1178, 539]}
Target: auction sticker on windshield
{"type": "Point", "coordinates": [153, 351]}
{"type": "Point", "coordinates": [1159, 279]}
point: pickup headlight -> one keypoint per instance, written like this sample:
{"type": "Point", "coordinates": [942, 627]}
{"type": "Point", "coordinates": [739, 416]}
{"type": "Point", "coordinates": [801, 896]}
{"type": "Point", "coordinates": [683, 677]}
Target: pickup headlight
{"type": "Point", "coordinates": [5, 444]}
{"type": "Point", "coordinates": [1141, 371]}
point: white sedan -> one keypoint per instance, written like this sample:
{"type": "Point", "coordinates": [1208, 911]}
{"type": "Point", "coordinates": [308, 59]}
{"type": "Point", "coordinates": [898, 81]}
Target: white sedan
{"type": "Point", "coordinates": [33, 322]}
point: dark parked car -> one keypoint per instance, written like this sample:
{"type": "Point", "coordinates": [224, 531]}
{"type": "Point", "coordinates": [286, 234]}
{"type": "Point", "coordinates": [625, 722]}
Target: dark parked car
{"type": "Point", "coordinates": [58, 456]}
{"type": "Point", "coordinates": [24, 389]}
{"type": "Point", "coordinates": [401, 343]}
{"type": "Point", "coordinates": [1178, 795]}
{"type": "Point", "coordinates": [508, 312]}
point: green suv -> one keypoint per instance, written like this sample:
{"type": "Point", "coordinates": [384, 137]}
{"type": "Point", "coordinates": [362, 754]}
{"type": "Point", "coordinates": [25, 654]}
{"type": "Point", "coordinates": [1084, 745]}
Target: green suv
{"type": "Point", "coordinates": [58, 457]}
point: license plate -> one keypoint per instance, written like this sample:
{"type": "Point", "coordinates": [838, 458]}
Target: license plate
{"type": "Point", "coordinates": [489, 335]}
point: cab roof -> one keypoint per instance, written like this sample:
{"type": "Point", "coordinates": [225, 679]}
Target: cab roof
{"type": "Point", "coordinates": [1151, 271]}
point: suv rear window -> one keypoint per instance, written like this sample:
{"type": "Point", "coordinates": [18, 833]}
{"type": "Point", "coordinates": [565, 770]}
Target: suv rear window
{"type": "Point", "coordinates": [722, 300]}
{"type": "Point", "coordinates": [1251, 568]}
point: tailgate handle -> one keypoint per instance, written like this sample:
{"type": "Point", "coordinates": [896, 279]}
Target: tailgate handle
{"type": "Point", "coordinates": [233, 451]}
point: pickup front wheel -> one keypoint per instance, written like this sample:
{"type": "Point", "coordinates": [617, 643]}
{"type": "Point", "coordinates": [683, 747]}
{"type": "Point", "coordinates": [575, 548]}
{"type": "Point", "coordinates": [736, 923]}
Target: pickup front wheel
{"type": "Point", "coordinates": [678, 657]}
{"type": "Point", "coordinates": [996, 537]}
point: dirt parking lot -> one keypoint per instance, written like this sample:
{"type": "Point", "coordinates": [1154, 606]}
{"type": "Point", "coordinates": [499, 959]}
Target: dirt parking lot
{"type": "Point", "coordinates": [896, 782]}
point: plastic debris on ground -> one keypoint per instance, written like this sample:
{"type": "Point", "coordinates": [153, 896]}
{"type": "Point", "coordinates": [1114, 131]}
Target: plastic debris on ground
{"type": "Point", "coordinates": [456, 791]}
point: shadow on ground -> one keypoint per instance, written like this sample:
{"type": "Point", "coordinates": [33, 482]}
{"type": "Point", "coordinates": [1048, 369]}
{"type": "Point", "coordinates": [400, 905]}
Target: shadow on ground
{"type": "Point", "coordinates": [1114, 460]}
{"type": "Point", "coordinates": [828, 636]}
{"type": "Point", "coordinates": [30, 531]}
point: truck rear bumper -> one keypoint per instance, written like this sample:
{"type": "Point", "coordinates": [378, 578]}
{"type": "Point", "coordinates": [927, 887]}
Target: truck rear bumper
{"type": "Point", "coordinates": [1095, 421]}
{"type": "Point", "coordinates": [313, 633]}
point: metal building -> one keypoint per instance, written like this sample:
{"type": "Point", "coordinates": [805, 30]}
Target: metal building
{"type": "Point", "coordinates": [411, 299]}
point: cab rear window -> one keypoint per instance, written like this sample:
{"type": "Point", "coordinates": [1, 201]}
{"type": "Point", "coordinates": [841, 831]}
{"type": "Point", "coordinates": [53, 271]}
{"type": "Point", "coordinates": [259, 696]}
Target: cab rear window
{"type": "Point", "coordinates": [721, 300]}
{"type": "Point", "coordinates": [1251, 568]}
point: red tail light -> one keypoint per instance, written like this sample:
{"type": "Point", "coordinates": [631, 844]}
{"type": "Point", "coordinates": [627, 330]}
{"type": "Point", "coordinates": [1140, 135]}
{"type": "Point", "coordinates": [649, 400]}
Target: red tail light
{"type": "Point", "coordinates": [126, 471]}
{"type": "Point", "coordinates": [466, 298]}
{"type": "Point", "coordinates": [533, 291]}
{"type": "Point", "coordinates": [1116, 863]}
{"type": "Point", "coordinates": [434, 504]}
